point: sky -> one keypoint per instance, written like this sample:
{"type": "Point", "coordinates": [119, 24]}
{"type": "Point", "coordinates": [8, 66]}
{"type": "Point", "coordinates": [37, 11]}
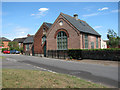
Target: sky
{"type": "Point", "coordinates": [22, 18]}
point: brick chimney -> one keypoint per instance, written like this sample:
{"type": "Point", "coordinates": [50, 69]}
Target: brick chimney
{"type": "Point", "coordinates": [75, 16]}
{"type": "Point", "coordinates": [28, 35]}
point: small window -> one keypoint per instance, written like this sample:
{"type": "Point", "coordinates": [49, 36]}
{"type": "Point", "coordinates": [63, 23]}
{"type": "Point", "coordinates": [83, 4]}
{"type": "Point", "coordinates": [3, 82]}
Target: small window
{"type": "Point", "coordinates": [61, 23]}
{"type": "Point", "coordinates": [27, 47]}
{"type": "Point", "coordinates": [82, 23]}
{"type": "Point", "coordinates": [43, 39]}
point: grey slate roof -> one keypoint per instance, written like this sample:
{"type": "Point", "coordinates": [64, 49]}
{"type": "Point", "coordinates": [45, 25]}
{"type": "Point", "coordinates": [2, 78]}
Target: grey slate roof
{"type": "Point", "coordinates": [48, 24]}
{"type": "Point", "coordinates": [29, 39]}
{"type": "Point", "coordinates": [81, 25]}
{"type": "Point", "coordinates": [20, 40]}
{"type": "Point", "coordinates": [4, 39]}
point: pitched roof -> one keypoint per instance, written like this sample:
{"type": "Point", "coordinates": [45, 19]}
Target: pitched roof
{"type": "Point", "coordinates": [48, 24]}
{"type": "Point", "coordinates": [29, 39]}
{"type": "Point", "coordinates": [4, 39]}
{"type": "Point", "coordinates": [81, 25]}
{"type": "Point", "coordinates": [20, 40]}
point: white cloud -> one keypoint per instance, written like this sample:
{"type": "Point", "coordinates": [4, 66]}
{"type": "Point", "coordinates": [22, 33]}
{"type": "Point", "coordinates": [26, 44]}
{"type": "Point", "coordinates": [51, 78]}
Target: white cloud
{"type": "Point", "coordinates": [42, 12]}
{"type": "Point", "coordinates": [89, 15]}
{"type": "Point", "coordinates": [32, 14]}
{"type": "Point", "coordinates": [22, 32]}
{"type": "Point", "coordinates": [96, 27]}
{"type": "Point", "coordinates": [101, 9]}
{"type": "Point", "coordinates": [43, 9]}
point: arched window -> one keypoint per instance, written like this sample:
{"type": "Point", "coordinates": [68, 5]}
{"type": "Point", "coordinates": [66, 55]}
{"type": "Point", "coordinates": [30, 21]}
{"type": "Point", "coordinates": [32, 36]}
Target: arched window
{"type": "Point", "coordinates": [62, 41]}
{"type": "Point", "coordinates": [43, 39]}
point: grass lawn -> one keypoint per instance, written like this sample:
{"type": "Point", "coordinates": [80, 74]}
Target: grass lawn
{"type": "Point", "coordinates": [2, 57]}
{"type": "Point", "coordinates": [16, 78]}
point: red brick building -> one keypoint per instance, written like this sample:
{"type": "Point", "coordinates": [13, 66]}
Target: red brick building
{"type": "Point", "coordinates": [66, 33]}
{"type": "Point", "coordinates": [40, 39]}
{"type": "Point", "coordinates": [20, 41]}
{"type": "Point", "coordinates": [28, 47]}
{"type": "Point", "coordinates": [5, 42]}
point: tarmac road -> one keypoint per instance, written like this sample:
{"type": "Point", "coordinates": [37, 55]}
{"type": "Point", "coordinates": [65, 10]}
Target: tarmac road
{"type": "Point", "coordinates": [107, 75]}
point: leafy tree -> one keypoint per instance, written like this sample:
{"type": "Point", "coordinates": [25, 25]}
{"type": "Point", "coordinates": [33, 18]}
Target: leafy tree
{"type": "Point", "coordinates": [113, 39]}
{"type": "Point", "coordinates": [3, 49]}
{"type": "Point", "coordinates": [13, 45]}
{"type": "Point", "coordinates": [1, 43]}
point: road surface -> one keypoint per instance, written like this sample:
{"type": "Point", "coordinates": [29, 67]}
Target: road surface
{"type": "Point", "coordinates": [107, 75]}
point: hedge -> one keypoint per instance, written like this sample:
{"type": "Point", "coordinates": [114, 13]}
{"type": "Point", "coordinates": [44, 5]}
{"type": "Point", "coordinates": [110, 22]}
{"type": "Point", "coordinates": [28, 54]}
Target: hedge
{"type": "Point", "coordinates": [3, 49]}
{"type": "Point", "coordinates": [95, 54]}
{"type": "Point", "coordinates": [112, 54]}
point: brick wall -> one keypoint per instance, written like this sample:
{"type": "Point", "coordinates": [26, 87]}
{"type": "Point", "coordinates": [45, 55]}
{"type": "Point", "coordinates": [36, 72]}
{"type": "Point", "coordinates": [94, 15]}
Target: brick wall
{"type": "Point", "coordinates": [73, 39]}
{"type": "Point", "coordinates": [29, 52]}
{"type": "Point", "coordinates": [5, 43]}
{"type": "Point", "coordinates": [92, 38]}
{"type": "Point", "coordinates": [38, 48]}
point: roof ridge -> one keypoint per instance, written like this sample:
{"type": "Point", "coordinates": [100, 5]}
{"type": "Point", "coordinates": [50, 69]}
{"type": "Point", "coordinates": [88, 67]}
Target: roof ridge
{"type": "Point", "coordinates": [68, 16]}
{"type": "Point", "coordinates": [47, 22]}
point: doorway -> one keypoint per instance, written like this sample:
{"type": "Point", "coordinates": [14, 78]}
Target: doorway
{"type": "Point", "coordinates": [45, 50]}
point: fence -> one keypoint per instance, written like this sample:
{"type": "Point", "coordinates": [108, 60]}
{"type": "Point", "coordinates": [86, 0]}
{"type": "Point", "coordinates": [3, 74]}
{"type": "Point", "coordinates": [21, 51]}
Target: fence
{"type": "Point", "coordinates": [57, 54]}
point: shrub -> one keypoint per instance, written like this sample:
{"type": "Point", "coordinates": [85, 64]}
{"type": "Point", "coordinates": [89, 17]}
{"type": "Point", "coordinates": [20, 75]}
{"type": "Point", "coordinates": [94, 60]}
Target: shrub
{"type": "Point", "coordinates": [3, 49]}
{"type": "Point", "coordinates": [97, 54]}
{"type": "Point", "coordinates": [97, 49]}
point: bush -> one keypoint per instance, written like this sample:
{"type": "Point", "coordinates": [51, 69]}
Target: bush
{"type": "Point", "coordinates": [3, 49]}
{"type": "Point", "coordinates": [97, 54]}
{"type": "Point", "coordinates": [112, 54]}
{"type": "Point", "coordinates": [75, 54]}
{"type": "Point", "coordinates": [97, 49]}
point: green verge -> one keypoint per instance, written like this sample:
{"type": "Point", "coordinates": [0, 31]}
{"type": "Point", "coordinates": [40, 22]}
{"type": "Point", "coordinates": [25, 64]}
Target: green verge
{"type": "Point", "coordinates": [2, 57]}
{"type": "Point", "coordinates": [16, 78]}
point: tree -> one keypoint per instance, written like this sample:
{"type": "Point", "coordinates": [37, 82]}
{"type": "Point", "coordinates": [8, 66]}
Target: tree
{"type": "Point", "coordinates": [113, 41]}
{"type": "Point", "coordinates": [1, 43]}
{"type": "Point", "coordinates": [13, 45]}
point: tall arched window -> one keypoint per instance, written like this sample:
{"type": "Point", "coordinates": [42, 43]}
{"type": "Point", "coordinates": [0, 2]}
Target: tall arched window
{"type": "Point", "coordinates": [61, 41]}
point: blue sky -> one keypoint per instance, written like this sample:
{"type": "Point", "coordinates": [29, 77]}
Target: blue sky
{"type": "Point", "coordinates": [21, 18]}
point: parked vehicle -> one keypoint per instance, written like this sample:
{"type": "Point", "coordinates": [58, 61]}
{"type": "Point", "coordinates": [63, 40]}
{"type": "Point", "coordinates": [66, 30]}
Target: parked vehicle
{"type": "Point", "coordinates": [6, 52]}
{"type": "Point", "coordinates": [14, 52]}
{"type": "Point", "coordinates": [17, 52]}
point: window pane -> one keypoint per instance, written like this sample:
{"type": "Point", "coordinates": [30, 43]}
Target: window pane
{"type": "Point", "coordinates": [86, 41]}
{"type": "Point", "coordinates": [43, 39]}
{"type": "Point", "coordinates": [92, 45]}
{"type": "Point", "coordinates": [96, 42]}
